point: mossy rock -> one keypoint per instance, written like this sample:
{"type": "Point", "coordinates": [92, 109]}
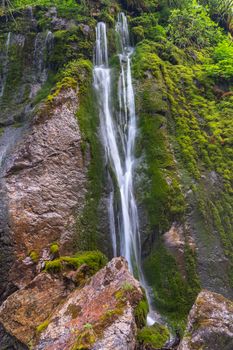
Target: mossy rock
{"type": "Point", "coordinates": [94, 259]}
{"type": "Point", "coordinates": [85, 339]}
{"type": "Point", "coordinates": [155, 336]}
{"type": "Point", "coordinates": [141, 311]}
{"type": "Point", "coordinates": [174, 295]}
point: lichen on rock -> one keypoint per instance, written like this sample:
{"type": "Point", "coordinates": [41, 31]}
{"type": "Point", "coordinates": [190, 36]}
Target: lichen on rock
{"type": "Point", "coordinates": [210, 323]}
{"type": "Point", "coordinates": [110, 320]}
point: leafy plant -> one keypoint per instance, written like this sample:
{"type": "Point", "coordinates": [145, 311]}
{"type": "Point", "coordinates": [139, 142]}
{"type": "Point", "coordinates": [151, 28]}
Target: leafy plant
{"type": "Point", "coordinates": [192, 26]}
{"type": "Point", "coordinates": [223, 61]}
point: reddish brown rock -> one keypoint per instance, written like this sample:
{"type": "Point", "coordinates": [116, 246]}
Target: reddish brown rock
{"type": "Point", "coordinates": [100, 314]}
{"type": "Point", "coordinates": [27, 308]}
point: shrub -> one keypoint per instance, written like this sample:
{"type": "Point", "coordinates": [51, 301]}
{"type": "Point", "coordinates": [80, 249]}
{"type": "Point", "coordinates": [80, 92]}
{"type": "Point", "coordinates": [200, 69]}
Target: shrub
{"type": "Point", "coordinates": [192, 26]}
{"type": "Point", "coordinates": [223, 61]}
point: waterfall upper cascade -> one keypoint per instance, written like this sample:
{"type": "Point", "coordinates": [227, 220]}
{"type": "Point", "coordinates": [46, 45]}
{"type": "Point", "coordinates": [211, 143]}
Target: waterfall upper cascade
{"type": "Point", "coordinates": [118, 130]}
{"type": "Point", "coordinates": [3, 76]}
{"type": "Point", "coordinates": [42, 50]}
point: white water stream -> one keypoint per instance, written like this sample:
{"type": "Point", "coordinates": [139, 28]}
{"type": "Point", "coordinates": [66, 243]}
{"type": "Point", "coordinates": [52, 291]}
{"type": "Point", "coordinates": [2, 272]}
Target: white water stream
{"type": "Point", "coordinates": [118, 131]}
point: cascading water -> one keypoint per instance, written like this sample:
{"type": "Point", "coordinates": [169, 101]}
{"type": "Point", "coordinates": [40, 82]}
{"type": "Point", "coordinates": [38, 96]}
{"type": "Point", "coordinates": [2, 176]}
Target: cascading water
{"type": "Point", "coordinates": [5, 65]}
{"type": "Point", "coordinates": [118, 131]}
{"type": "Point", "coordinates": [42, 49]}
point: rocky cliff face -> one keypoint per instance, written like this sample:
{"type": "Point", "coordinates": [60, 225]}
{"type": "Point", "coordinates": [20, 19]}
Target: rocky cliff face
{"type": "Point", "coordinates": [44, 185]}
{"type": "Point", "coordinates": [43, 176]}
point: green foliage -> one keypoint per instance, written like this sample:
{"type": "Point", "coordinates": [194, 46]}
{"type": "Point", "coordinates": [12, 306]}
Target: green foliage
{"type": "Point", "coordinates": [192, 26]}
{"type": "Point", "coordinates": [221, 11]}
{"type": "Point", "coordinates": [59, 3]}
{"type": "Point", "coordinates": [223, 61]}
{"type": "Point", "coordinates": [177, 105]}
{"type": "Point", "coordinates": [146, 26]}
{"type": "Point", "coordinates": [94, 259]}
{"type": "Point", "coordinates": [140, 5]}
{"type": "Point", "coordinates": [155, 336]}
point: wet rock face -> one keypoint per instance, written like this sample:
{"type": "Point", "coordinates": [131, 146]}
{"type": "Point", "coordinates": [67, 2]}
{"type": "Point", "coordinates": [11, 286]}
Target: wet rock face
{"type": "Point", "coordinates": [99, 315]}
{"type": "Point", "coordinates": [210, 324]}
{"type": "Point", "coordinates": [44, 185]}
{"type": "Point", "coordinates": [175, 240]}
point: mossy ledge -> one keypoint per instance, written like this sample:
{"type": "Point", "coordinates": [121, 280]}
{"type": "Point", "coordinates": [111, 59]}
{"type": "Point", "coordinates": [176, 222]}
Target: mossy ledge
{"type": "Point", "coordinates": [95, 260]}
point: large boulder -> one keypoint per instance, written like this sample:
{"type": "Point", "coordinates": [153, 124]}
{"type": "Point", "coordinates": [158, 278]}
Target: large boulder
{"type": "Point", "coordinates": [210, 324]}
{"type": "Point", "coordinates": [98, 316]}
{"type": "Point", "coordinates": [51, 313]}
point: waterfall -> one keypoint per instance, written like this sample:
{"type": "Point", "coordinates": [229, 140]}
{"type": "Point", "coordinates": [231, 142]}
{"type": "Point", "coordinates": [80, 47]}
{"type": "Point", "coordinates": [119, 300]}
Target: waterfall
{"type": "Point", "coordinates": [42, 49]}
{"type": "Point", "coordinates": [122, 164]}
{"type": "Point", "coordinates": [118, 134]}
{"type": "Point", "coordinates": [5, 65]}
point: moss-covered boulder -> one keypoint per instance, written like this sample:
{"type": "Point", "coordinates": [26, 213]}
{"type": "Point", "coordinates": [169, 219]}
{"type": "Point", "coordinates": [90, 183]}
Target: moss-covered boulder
{"type": "Point", "coordinates": [210, 323]}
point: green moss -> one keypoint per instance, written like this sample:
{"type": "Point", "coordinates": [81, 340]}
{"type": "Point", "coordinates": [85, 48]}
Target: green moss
{"type": "Point", "coordinates": [54, 266]}
{"type": "Point", "coordinates": [71, 45]}
{"type": "Point", "coordinates": [66, 83]}
{"type": "Point", "coordinates": [34, 256]}
{"type": "Point", "coordinates": [73, 310]}
{"type": "Point", "coordinates": [85, 340]}
{"type": "Point", "coordinates": [155, 336]}
{"type": "Point", "coordinates": [42, 326]}
{"type": "Point", "coordinates": [54, 248]}
{"type": "Point", "coordinates": [180, 117]}
{"type": "Point", "coordinates": [174, 296]}
{"type": "Point", "coordinates": [88, 326]}
{"type": "Point", "coordinates": [161, 194]}
{"type": "Point", "coordinates": [140, 312]}
{"type": "Point", "coordinates": [87, 227]}
{"type": "Point", "coordinates": [94, 259]}
{"type": "Point", "coordinates": [124, 292]}
{"type": "Point", "coordinates": [127, 287]}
